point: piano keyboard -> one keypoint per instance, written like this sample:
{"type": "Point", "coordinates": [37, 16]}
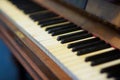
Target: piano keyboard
{"type": "Point", "coordinates": [79, 53]}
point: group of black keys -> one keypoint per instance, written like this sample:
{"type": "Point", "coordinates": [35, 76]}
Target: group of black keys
{"type": "Point", "coordinates": [46, 18]}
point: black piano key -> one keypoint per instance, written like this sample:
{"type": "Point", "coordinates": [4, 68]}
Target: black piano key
{"type": "Point", "coordinates": [102, 55]}
{"type": "Point", "coordinates": [20, 1]}
{"type": "Point", "coordinates": [52, 21]}
{"type": "Point", "coordinates": [106, 58]}
{"type": "Point", "coordinates": [92, 49]}
{"type": "Point", "coordinates": [112, 71]}
{"type": "Point", "coordinates": [70, 35]}
{"type": "Point", "coordinates": [31, 10]}
{"type": "Point", "coordinates": [118, 78]}
{"type": "Point", "coordinates": [27, 6]}
{"type": "Point", "coordinates": [82, 42]}
{"type": "Point", "coordinates": [24, 6]}
{"type": "Point", "coordinates": [76, 48]}
{"type": "Point", "coordinates": [76, 37]}
{"type": "Point", "coordinates": [40, 16]}
{"type": "Point", "coordinates": [60, 27]}
{"type": "Point", "coordinates": [65, 31]}
{"type": "Point", "coordinates": [111, 68]}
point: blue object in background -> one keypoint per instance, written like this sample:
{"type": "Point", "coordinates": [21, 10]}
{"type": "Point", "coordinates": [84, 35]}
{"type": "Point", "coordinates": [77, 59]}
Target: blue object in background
{"type": "Point", "coordinates": [10, 69]}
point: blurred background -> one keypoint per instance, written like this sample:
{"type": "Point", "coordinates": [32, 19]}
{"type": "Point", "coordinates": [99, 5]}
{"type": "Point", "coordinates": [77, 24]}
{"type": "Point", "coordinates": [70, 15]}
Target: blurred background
{"type": "Point", "coordinates": [10, 68]}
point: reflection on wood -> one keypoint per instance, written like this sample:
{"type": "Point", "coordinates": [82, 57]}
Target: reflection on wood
{"type": "Point", "coordinates": [105, 10]}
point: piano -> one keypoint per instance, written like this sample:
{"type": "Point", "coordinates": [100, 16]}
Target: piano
{"type": "Point", "coordinates": [55, 40]}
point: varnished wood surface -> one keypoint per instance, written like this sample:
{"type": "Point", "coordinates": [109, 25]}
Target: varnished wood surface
{"type": "Point", "coordinates": [105, 10]}
{"type": "Point", "coordinates": [102, 9]}
{"type": "Point", "coordinates": [103, 31]}
{"type": "Point", "coordinates": [40, 62]}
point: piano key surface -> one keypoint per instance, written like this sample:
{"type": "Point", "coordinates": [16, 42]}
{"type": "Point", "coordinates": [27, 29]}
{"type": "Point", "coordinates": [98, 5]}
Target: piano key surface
{"type": "Point", "coordinates": [68, 60]}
